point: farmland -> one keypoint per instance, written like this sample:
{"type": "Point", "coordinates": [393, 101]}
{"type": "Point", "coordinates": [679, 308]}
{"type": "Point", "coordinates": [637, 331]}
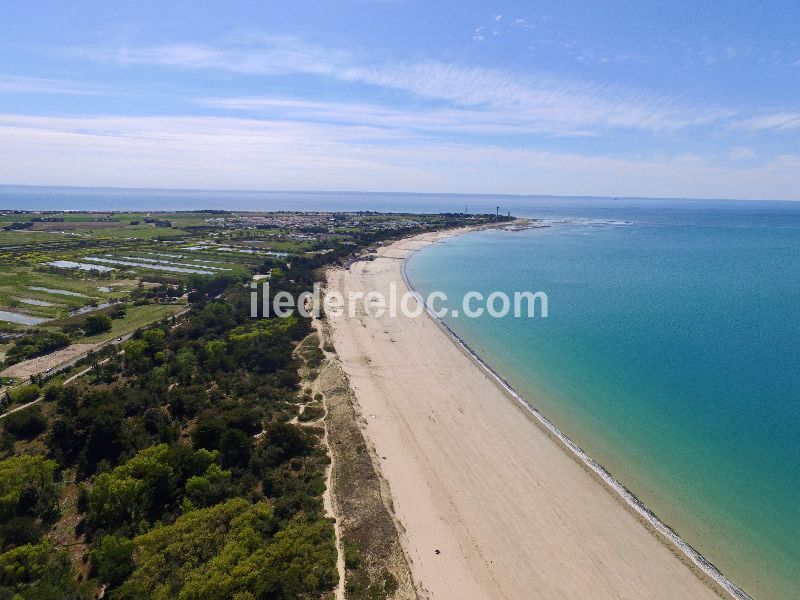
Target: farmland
{"type": "Point", "coordinates": [58, 270]}
{"type": "Point", "coordinates": [87, 277]}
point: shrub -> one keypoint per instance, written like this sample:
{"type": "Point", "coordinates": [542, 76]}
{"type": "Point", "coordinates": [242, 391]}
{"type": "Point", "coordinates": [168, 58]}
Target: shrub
{"type": "Point", "coordinates": [111, 560]}
{"type": "Point", "coordinates": [52, 391]}
{"type": "Point", "coordinates": [311, 413]}
{"type": "Point", "coordinates": [352, 555]}
{"type": "Point", "coordinates": [95, 324]}
{"type": "Point", "coordinates": [39, 571]}
{"type": "Point", "coordinates": [20, 530]}
{"type": "Point", "coordinates": [35, 345]}
{"type": "Point", "coordinates": [27, 487]}
{"type": "Point", "coordinates": [314, 357]}
{"type": "Point", "coordinates": [26, 423]}
{"type": "Point", "coordinates": [24, 393]}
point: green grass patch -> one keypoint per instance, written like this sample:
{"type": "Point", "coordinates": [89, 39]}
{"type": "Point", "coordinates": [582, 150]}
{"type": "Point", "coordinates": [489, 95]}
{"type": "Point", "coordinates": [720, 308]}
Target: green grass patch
{"type": "Point", "coordinates": [135, 317]}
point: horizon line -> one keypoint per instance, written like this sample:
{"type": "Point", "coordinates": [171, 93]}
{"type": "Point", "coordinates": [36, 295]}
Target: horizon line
{"type": "Point", "coordinates": [398, 193]}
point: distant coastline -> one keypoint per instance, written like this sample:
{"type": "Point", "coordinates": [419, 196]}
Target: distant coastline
{"type": "Point", "coordinates": [123, 199]}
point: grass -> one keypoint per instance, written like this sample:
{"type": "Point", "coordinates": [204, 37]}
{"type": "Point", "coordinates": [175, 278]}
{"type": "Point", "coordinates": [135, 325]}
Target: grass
{"type": "Point", "coordinates": [140, 232]}
{"type": "Point", "coordinates": [15, 283]}
{"type": "Point", "coordinates": [144, 231]}
{"type": "Point", "coordinates": [135, 317]}
{"type": "Point", "coordinates": [24, 252]}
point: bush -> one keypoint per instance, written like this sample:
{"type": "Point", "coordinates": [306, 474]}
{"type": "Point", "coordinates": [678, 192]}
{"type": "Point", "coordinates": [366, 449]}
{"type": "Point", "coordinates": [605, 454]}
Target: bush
{"type": "Point", "coordinates": [26, 423]}
{"type": "Point", "coordinates": [111, 560]}
{"type": "Point", "coordinates": [95, 324]}
{"type": "Point", "coordinates": [36, 344]}
{"type": "Point", "coordinates": [311, 413]}
{"type": "Point", "coordinates": [314, 357]}
{"type": "Point", "coordinates": [20, 530]}
{"type": "Point", "coordinates": [27, 487]}
{"type": "Point", "coordinates": [352, 555]}
{"type": "Point", "coordinates": [52, 392]}
{"type": "Point", "coordinates": [82, 501]}
{"type": "Point", "coordinates": [39, 571]}
{"type": "Point", "coordinates": [24, 393]}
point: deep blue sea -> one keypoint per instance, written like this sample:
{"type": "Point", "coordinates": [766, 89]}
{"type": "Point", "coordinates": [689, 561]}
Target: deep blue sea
{"type": "Point", "coordinates": [671, 353]}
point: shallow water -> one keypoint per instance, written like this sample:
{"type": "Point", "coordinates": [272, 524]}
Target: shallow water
{"type": "Point", "coordinates": [34, 302]}
{"type": "Point", "coordinates": [57, 291]}
{"type": "Point", "coordinates": [69, 264]}
{"type": "Point", "coordinates": [20, 319]}
{"type": "Point", "coordinates": [154, 266]}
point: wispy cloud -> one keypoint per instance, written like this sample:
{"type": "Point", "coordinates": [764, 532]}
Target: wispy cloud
{"type": "Point", "coordinates": [10, 84]}
{"type": "Point", "coordinates": [546, 101]}
{"type": "Point", "coordinates": [245, 53]}
{"type": "Point", "coordinates": [539, 103]}
{"type": "Point", "coordinates": [406, 123]}
{"type": "Point", "coordinates": [779, 121]}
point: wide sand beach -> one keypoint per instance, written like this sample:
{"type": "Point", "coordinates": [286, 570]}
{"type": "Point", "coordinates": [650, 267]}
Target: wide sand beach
{"type": "Point", "coordinates": [489, 505]}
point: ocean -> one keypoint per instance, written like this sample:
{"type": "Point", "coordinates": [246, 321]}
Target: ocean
{"type": "Point", "coordinates": [16, 197]}
{"type": "Point", "coordinates": [671, 355]}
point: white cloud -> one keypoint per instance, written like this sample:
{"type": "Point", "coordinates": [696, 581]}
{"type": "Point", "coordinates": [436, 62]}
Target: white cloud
{"type": "Point", "coordinates": [10, 84]}
{"type": "Point", "coordinates": [542, 100]}
{"type": "Point", "coordinates": [394, 122]}
{"type": "Point", "coordinates": [244, 53]}
{"type": "Point", "coordinates": [210, 152]}
{"type": "Point", "coordinates": [780, 121]}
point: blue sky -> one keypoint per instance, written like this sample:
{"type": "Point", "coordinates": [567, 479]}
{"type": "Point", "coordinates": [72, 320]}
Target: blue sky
{"type": "Point", "coordinates": [682, 99]}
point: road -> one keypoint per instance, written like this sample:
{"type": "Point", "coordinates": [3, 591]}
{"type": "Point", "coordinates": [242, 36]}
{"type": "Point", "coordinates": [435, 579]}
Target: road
{"type": "Point", "coordinates": [116, 341]}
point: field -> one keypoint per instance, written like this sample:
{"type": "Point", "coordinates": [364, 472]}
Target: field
{"type": "Point", "coordinates": [132, 269]}
{"type": "Point", "coordinates": [71, 278]}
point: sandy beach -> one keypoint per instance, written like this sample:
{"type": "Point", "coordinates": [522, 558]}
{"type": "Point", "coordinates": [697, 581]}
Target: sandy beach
{"type": "Point", "coordinates": [489, 505]}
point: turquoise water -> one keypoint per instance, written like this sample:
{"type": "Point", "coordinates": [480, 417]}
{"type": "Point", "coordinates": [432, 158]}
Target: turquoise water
{"type": "Point", "coordinates": [671, 354]}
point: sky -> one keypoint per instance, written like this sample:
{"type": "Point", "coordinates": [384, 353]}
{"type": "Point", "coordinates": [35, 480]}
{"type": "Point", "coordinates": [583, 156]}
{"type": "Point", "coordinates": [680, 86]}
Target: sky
{"type": "Point", "coordinates": [662, 99]}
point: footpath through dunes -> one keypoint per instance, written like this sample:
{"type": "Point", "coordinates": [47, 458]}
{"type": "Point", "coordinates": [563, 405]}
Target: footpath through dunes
{"type": "Point", "coordinates": [489, 505]}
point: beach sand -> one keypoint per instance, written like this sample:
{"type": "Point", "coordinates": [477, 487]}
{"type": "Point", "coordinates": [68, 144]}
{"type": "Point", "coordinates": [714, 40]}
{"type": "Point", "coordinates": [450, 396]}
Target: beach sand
{"type": "Point", "coordinates": [473, 476]}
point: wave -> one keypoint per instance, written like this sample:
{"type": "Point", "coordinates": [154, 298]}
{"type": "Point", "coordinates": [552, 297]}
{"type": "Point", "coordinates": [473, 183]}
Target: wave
{"type": "Point", "coordinates": [587, 222]}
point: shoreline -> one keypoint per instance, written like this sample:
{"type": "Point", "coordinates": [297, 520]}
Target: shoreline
{"type": "Point", "coordinates": [628, 498]}
{"type": "Point", "coordinates": [485, 501]}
